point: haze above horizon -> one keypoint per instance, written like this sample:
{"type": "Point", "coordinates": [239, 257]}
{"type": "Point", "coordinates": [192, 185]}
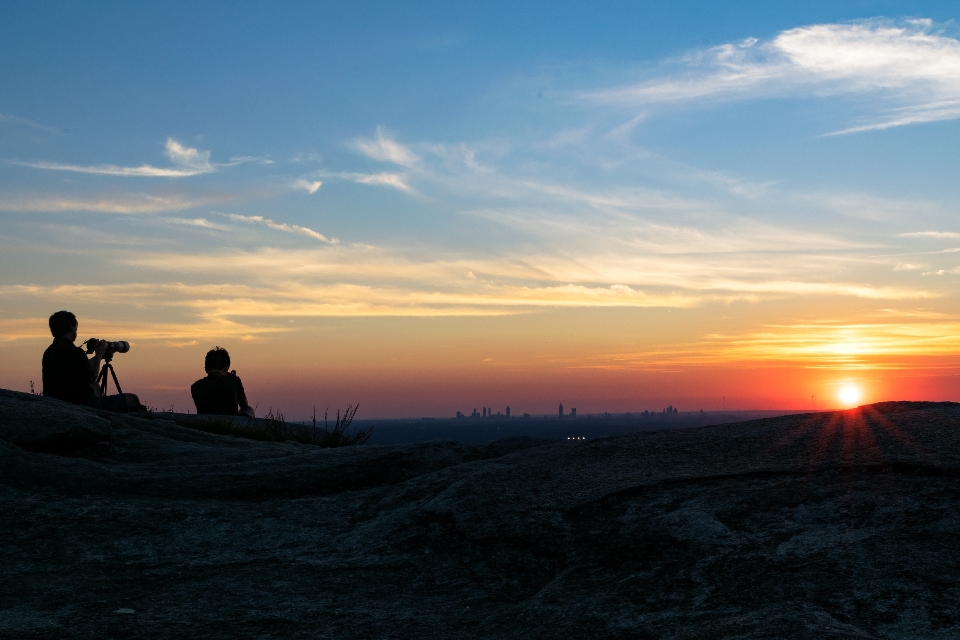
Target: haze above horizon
{"type": "Point", "coordinates": [427, 208]}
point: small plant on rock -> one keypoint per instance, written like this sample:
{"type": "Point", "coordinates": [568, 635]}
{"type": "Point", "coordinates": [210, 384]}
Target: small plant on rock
{"type": "Point", "coordinates": [339, 436]}
{"type": "Point", "coordinates": [274, 428]}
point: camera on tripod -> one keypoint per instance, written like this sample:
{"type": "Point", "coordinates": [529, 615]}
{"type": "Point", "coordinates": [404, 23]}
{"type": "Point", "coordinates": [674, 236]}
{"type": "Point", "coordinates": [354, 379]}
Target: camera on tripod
{"type": "Point", "coordinates": [120, 346]}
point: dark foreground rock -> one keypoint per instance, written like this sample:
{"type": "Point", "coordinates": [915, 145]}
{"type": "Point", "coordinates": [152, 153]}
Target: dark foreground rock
{"type": "Point", "coordinates": [62, 428]}
{"type": "Point", "coordinates": [831, 525]}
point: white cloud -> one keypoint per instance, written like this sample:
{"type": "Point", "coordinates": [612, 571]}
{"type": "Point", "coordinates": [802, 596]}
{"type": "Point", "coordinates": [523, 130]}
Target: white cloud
{"type": "Point", "coordinates": [930, 234]}
{"type": "Point", "coordinates": [281, 226]}
{"type": "Point", "coordinates": [243, 159]}
{"type": "Point", "coordinates": [143, 171]}
{"type": "Point", "coordinates": [307, 185]}
{"type": "Point", "coordinates": [911, 72]}
{"type": "Point", "coordinates": [188, 158]}
{"type": "Point", "coordinates": [384, 148]}
{"type": "Point", "coordinates": [12, 119]}
{"type": "Point", "coordinates": [187, 161]}
{"type": "Point", "coordinates": [392, 180]}
{"type": "Point", "coordinates": [114, 203]}
{"type": "Point", "coordinates": [197, 222]}
{"type": "Point", "coordinates": [542, 279]}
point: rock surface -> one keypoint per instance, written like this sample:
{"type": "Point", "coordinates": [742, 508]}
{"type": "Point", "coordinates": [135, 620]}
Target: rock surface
{"type": "Point", "coordinates": [830, 525]}
{"type": "Point", "coordinates": [56, 427]}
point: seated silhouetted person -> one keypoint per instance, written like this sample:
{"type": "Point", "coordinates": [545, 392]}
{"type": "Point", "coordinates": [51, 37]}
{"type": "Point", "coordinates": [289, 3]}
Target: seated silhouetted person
{"type": "Point", "coordinates": [221, 392]}
{"type": "Point", "coordinates": [70, 376]}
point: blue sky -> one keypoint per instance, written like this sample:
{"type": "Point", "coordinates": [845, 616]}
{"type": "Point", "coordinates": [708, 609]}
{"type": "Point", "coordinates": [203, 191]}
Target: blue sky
{"type": "Point", "coordinates": [194, 173]}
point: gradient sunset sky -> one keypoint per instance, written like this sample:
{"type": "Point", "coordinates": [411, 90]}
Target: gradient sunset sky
{"type": "Point", "coordinates": [432, 207]}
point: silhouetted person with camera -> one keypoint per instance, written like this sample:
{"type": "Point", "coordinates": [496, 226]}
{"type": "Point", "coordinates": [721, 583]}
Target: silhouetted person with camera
{"type": "Point", "coordinates": [221, 392]}
{"type": "Point", "coordinates": [70, 376]}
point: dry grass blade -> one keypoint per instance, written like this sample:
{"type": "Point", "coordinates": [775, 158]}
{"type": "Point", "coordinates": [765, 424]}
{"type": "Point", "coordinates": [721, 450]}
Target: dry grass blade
{"type": "Point", "coordinates": [274, 428]}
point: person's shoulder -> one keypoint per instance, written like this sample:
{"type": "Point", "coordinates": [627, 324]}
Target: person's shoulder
{"type": "Point", "coordinates": [59, 346]}
{"type": "Point", "coordinates": [199, 384]}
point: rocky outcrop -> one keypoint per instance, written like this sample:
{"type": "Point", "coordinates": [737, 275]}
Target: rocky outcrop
{"type": "Point", "coordinates": [833, 525]}
{"type": "Point", "coordinates": [43, 424]}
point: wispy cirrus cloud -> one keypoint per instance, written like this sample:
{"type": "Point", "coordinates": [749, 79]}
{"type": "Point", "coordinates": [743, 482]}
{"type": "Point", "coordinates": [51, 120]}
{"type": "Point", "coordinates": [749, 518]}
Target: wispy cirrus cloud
{"type": "Point", "coordinates": [310, 186]}
{"type": "Point", "coordinates": [617, 277]}
{"type": "Point", "coordinates": [387, 149]}
{"type": "Point", "coordinates": [904, 341]}
{"type": "Point", "coordinates": [282, 226]}
{"type": "Point", "coordinates": [110, 203]}
{"type": "Point", "coordinates": [930, 234]}
{"type": "Point", "coordinates": [187, 162]}
{"type": "Point", "coordinates": [33, 124]}
{"type": "Point", "coordinates": [205, 324]}
{"type": "Point", "coordinates": [386, 179]}
{"type": "Point", "coordinates": [847, 345]}
{"type": "Point", "coordinates": [392, 180]}
{"type": "Point", "coordinates": [203, 223]}
{"type": "Point", "coordinates": [910, 71]}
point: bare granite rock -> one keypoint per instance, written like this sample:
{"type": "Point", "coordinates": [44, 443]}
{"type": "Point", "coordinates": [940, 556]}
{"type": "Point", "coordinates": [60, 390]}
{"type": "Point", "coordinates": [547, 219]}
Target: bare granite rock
{"type": "Point", "coordinates": [45, 424]}
{"type": "Point", "coordinates": [830, 525]}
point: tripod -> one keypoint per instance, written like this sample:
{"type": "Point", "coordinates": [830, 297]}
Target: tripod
{"type": "Point", "coordinates": [102, 378]}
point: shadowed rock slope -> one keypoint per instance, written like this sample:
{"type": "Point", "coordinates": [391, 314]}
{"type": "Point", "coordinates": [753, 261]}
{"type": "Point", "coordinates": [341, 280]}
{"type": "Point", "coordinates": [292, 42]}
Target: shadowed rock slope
{"type": "Point", "coordinates": [829, 525]}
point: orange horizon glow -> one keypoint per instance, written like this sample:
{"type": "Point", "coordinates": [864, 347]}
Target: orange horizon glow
{"type": "Point", "coordinates": [395, 368]}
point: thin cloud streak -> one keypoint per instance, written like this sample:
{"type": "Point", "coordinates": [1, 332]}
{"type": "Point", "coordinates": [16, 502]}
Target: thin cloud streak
{"type": "Point", "coordinates": [12, 119]}
{"type": "Point", "coordinates": [391, 180]}
{"type": "Point", "coordinates": [130, 203]}
{"type": "Point", "coordinates": [197, 222]}
{"type": "Point", "coordinates": [930, 234]}
{"type": "Point", "coordinates": [853, 345]}
{"type": "Point", "coordinates": [187, 162]}
{"type": "Point", "coordinates": [250, 313]}
{"type": "Point", "coordinates": [280, 226]}
{"type": "Point", "coordinates": [143, 171]}
{"type": "Point", "coordinates": [526, 280]}
{"type": "Point", "coordinates": [903, 344]}
{"type": "Point", "coordinates": [207, 326]}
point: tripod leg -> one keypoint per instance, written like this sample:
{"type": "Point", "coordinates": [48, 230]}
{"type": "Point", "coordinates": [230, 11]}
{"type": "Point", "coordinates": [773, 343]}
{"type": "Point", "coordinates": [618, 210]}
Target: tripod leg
{"type": "Point", "coordinates": [115, 381]}
{"type": "Point", "coordinates": [102, 380]}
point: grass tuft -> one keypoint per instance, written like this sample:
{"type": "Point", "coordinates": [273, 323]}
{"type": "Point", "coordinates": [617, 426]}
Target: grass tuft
{"type": "Point", "coordinates": [274, 428]}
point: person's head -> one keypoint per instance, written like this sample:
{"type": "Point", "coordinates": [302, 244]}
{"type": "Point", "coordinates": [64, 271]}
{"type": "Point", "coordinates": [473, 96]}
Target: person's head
{"type": "Point", "coordinates": [217, 359]}
{"type": "Point", "coordinates": [63, 324]}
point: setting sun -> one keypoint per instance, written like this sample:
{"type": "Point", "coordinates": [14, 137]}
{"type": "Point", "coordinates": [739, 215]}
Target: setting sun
{"type": "Point", "coordinates": [849, 395]}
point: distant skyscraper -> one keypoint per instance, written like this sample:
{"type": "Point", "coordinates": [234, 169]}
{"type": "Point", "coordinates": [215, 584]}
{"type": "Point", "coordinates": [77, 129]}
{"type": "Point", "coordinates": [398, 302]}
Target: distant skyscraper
{"type": "Point", "coordinates": [508, 412]}
{"type": "Point", "coordinates": [484, 412]}
{"type": "Point", "coordinates": [561, 409]}
{"type": "Point", "coordinates": [573, 412]}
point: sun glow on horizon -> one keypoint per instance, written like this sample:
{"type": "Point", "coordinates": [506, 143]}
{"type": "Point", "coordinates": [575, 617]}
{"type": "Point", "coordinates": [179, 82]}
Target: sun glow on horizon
{"type": "Point", "coordinates": [849, 395]}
